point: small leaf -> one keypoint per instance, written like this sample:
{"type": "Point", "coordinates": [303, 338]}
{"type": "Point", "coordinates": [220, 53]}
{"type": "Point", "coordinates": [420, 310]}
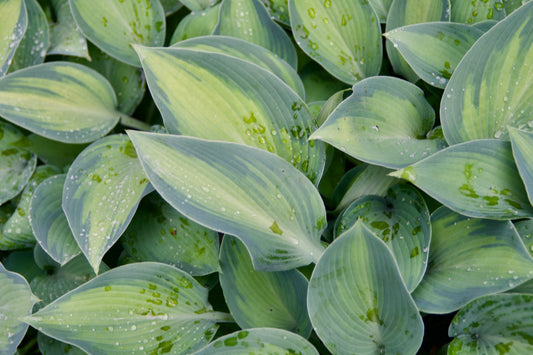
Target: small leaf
{"type": "Point", "coordinates": [491, 87]}
{"type": "Point", "coordinates": [198, 5]}
{"type": "Point", "coordinates": [65, 36]}
{"type": "Point", "coordinates": [434, 49]}
{"type": "Point", "coordinates": [142, 308]}
{"type": "Point", "coordinates": [158, 232]}
{"type": "Point", "coordinates": [401, 220]}
{"type": "Point", "coordinates": [319, 84]}
{"type": "Point", "coordinates": [16, 301]}
{"type": "Point", "coordinates": [343, 36]}
{"type": "Point", "coordinates": [62, 101]}
{"type": "Point", "coordinates": [114, 25]}
{"type": "Point", "coordinates": [409, 12]}
{"type": "Point", "coordinates": [171, 6]}
{"type": "Point", "coordinates": [50, 346]}
{"type": "Point", "coordinates": [53, 152]}
{"type": "Point", "coordinates": [16, 162]}
{"type": "Point", "coordinates": [470, 258]}
{"type": "Point", "coordinates": [478, 179]}
{"type": "Point", "coordinates": [13, 24]}
{"type": "Point", "coordinates": [522, 143]}
{"type": "Point", "coordinates": [102, 191]}
{"type": "Point", "coordinates": [233, 100]}
{"type": "Point", "coordinates": [357, 300]}
{"type": "Point", "coordinates": [49, 223]}
{"type": "Point", "coordinates": [259, 341]}
{"type": "Point", "coordinates": [476, 11]}
{"type": "Point", "coordinates": [250, 21]}
{"type": "Point", "coordinates": [496, 324]}
{"type": "Point", "coordinates": [384, 122]}
{"type": "Point", "coordinates": [382, 8]}
{"type": "Point", "coordinates": [278, 10]}
{"type": "Point", "coordinates": [196, 24]}
{"type": "Point", "coordinates": [239, 190]}
{"type": "Point", "coordinates": [262, 299]}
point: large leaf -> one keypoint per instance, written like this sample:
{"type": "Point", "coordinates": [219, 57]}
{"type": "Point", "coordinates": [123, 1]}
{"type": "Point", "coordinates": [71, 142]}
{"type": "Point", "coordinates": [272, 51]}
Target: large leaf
{"type": "Point", "coordinates": [13, 24]}
{"type": "Point", "coordinates": [434, 49]}
{"type": "Point", "coordinates": [250, 52]}
{"type": "Point", "coordinates": [114, 25]}
{"type": "Point", "coordinates": [343, 36]}
{"type": "Point", "coordinates": [196, 24]}
{"type": "Point", "coordinates": [470, 258]}
{"type": "Point", "coordinates": [141, 308]}
{"type": "Point", "coordinates": [522, 143]}
{"type": "Point", "coordinates": [249, 20]}
{"type": "Point", "coordinates": [239, 190]}
{"type": "Point", "coordinates": [492, 88]}
{"type": "Point", "coordinates": [16, 162]}
{"type": "Point", "coordinates": [49, 223]}
{"type": "Point", "coordinates": [102, 190]}
{"type": "Point", "coordinates": [357, 300]}
{"type": "Point", "coordinates": [477, 178]}
{"type": "Point", "coordinates": [229, 99]}
{"type": "Point", "coordinates": [409, 12]}
{"type": "Point", "coordinates": [476, 11]}
{"type": "Point", "coordinates": [259, 341]}
{"type": "Point", "coordinates": [384, 122]}
{"type": "Point", "coordinates": [16, 301]}
{"type": "Point", "coordinates": [401, 220]}
{"type": "Point", "coordinates": [62, 101]}
{"type": "Point", "coordinates": [259, 299]}
{"type": "Point", "coordinates": [496, 324]}
{"type": "Point", "coordinates": [65, 36]}
{"type": "Point", "coordinates": [158, 232]}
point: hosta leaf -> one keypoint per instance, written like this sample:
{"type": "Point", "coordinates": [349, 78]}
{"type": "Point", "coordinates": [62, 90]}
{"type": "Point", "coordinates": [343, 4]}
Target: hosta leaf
{"type": "Point", "coordinates": [357, 300]}
{"type": "Point", "coordinates": [65, 36]}
{"type": "Point", "coordinates": [262, 299]}
{"type": "Point", "coordinates": [522, 143]}
{"type": "Point", "coordinates": [17, 230]}
{"type": "Point", "coordinates": [249, 20]}
{"type": "Point", "coordinates": [477, 178]}
{"type": "Point", "coordinates": [250, 52]}
{"type": "Point", "coordinates": [102, 190]}
{"type": "Point", "coordinates": [16, 301]}
{"type": "Point", "coordinates": [160, 233]}
{"type": "Point", "coordinates": [16, 163]}
{"type": "Point", "coordinates": [401, 220]}
{"type": "Point", "coordinates": [511, 5]}
{"type": "Point", "coordinates": [229, 99]}
{"type": "Point", "coordinates": [319, 84]}
{"type": "Point", "coordinates": [278, 10]}
{"type": "Point", "coordinates": [470, 258]}
{"type": "Point", "coordinates": [62, 101]}
{"type": "Point", "coordinates": [22, 262]}
{"type": "Point", "coordinates": [50, 346]}
{"type": "Point", "coordinates": [476, 11]}
{"type": "Point", "coordinates": [259, 341]}
{"type": "Point", "coordinates": [409, 12]}
{"type": "Point", "coordinates": [171, 6]}
{"type": "Point", "coordinates": [238, 190]}
{"type": "Point", "coordinates": [49, 223]}
{"type": "Point", "coordinates": [491, 87]}
{"type": "Point", "coordinates": [13, 24]}
{"type": "Point", "coordinates": [384, 122]}
{"type": "Point", "coordinates": [53, 152]}
{"type": "Point", "coordinates": [141, 308]}
{"type": "Point", "coordinates": [434, 49]}
{"type": "Point", "coordinates": [114, 25]}
{"type": "Point", "coordinates": [496, 324]}
{"type": "Point", "coordinates": [525, 230]}
{"type": "Point", "coordinates": [198, 5]}
{"type": "Point", "coordinates": [32, 48]}
{"type": "Point", "coordinates": [343, 36]}
{"type": "Point", "coordinates": [196, 24]}
{"type": "Point", "coordinates": [382, 8]}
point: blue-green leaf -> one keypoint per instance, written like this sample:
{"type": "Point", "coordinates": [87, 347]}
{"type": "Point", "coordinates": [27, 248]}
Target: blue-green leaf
{"type": "Point", "coordinates": [65, 36]}
{"type": "Point", "coordinates": [196, 24]}
{"type": "Point", "coordinates": [198, 5]}
{"type": "Point", "coordinates": [13, 24]}
{"type": "Point", "coordinates": [522, 143]}
{"type": "Point", "coordinates": [477, 11]}
{"type": "Point", "coordinates": [278, 10]}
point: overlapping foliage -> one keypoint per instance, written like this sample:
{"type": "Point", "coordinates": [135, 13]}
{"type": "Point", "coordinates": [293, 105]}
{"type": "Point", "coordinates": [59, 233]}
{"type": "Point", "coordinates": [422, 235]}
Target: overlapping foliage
{"type": "Point", "coordinates": [300, 177]}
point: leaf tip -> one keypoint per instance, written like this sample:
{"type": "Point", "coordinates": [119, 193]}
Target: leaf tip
{"type": "Point", "coordinates": [405, 173]}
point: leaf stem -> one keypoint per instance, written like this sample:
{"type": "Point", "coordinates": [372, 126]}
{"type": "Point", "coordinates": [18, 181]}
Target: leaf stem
{"type": "Point", "coordinates": [131, 122]}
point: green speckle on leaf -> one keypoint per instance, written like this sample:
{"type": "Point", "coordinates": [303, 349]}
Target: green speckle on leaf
{"type": "Point", "coordinates": [275, 228]}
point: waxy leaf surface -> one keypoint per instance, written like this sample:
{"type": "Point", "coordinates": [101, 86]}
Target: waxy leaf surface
{"type": "Point", "coordinates": [13, 24]}
{"type": "Point", "coordinates": [239, 190]}
{"type": "Point", "coordinates": [141, 308]}
{"type": "Point", "coordinates": [476, 11]}
{"type": "Point", "coordinates": [384, 122]}
{"type": "Point", "coordinates": [478, 179]}
{"type": "Point", "coordinates": [357, 300]}
{"type": "Point", "coordinates": [492, 87]}
{"type": "Point", "coordinates": [522, 143]}
{"type": "Point", "coordinates": [469, 258]}
{"type": "Point", "coordinates": [102, 190]}
{"type": "Point", "coordinates": [114, 25]}
{"type": "Point", "coordinates": [62, 101]}
{"type": "Point", "coordinates": [259, 299]}
{"type": "Point", "coordinates": [343, 36]}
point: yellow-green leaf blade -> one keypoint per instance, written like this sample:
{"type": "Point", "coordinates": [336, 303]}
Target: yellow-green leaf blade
{"type": "Point", "coordinates": [239, 190]}
{"type": "Point", "coordinates": [13, 24]}
{"type": "Point", "coordinates": [62, 101]}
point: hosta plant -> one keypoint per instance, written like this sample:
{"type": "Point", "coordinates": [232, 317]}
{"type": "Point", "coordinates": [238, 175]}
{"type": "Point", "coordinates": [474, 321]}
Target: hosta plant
{"type": "Point", "coordinates": [266, 177]}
